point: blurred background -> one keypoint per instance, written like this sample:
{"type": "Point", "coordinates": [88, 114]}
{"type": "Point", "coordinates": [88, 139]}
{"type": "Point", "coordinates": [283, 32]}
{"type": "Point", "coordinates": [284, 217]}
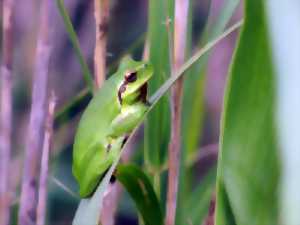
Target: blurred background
{"type": "Point", "coordinates": [126, 33]}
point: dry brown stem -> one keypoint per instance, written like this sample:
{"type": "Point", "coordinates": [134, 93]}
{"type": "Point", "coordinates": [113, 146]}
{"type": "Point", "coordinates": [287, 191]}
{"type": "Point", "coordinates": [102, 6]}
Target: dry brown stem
{"type": "Point", "coordinates": [180, 30]}
{"type": "Point", "coordinates": [6, 109]}
{"type": "Point", "coordinates": [28, 201]}
{"type": "Point", "coordinates": [101, 17]}
{"type": "Point", "coordinates": [42, 196]}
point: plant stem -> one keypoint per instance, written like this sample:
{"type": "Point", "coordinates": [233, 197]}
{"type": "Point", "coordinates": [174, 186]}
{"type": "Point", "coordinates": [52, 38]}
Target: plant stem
{"type": "Point", "coordinates": [64, 187]}
{"type": "Point", "coordinates": [6, 110]}
{"type": "Point", "coordinates": [27, 211]}
{"type": "Point", "coordinates": [187, 65]}
{"type": "Point", "coordinates": [180, 30]}
{"type": "Point", "coordinates": [210, 219]}
{"type": "Point", "coordinates": [42, 198]}
{"type": "Point", "coordinates": [101, 17]}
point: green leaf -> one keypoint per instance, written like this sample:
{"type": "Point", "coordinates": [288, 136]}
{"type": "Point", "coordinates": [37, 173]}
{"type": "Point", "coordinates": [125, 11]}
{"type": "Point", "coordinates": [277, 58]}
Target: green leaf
{"type": "Point", "coordinates": [87, 75]}
{"type": "Point", "coordinates": [157, 124]}
{"type": "Point", "coordinates": [197, 205]}
{"type": "Point", "coordinates": [140, 189]}
{"type": "Point", "coordinates": [248, 165]}
{"type": "Point", "coordinates": [284, 22]}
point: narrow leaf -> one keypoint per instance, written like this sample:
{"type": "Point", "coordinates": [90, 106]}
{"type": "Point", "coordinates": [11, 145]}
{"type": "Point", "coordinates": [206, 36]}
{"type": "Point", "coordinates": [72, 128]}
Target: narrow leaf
{"type": "Point", "coordinates": [196, 206]}
{"type": "Point", "coordinates": [191, 61]}
{"type": "Point", "coordinates": [140, 189]}
{"type": "Point", "coordinates": [157, 124]}
{"type": "Point", "coordinates": [194, 98]}
{"type": "Point", "coordinates": [87, 75]}
{"type": "Point", "coordinates": [195, 83]}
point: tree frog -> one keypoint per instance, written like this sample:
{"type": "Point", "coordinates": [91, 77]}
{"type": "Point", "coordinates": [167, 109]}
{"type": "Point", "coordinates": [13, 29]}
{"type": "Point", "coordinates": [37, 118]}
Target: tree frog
{"type": "Point", "coordinates": [110, 117]}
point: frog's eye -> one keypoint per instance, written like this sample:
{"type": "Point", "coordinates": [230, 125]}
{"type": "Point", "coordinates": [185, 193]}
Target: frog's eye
{"type": "Point", "coordinates": [131, 77]}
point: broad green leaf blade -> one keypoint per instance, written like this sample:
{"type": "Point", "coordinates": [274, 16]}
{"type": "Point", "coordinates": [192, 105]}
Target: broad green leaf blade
{"type": "Point", "coordinates": [284, 21]}
{"type": "Point", "coordinates": [87, 75]}
{"type": "Point", "coordinates": [157, 124]}
{"type": "Point", "coordinates": [248, 164]}
{"type": "Point", "coordinates": [197, 205]}
{"type": "Point", "coordinates": [140, 189]}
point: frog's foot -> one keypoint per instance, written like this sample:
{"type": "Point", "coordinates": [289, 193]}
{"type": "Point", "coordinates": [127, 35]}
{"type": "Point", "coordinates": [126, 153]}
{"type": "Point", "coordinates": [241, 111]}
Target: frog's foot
{"type": "Point", "coordinates": [115, 144]}
{"type": "Point", "coordinates": [124, 140]}
{"type": "Point", "coordinates": [112, 179]}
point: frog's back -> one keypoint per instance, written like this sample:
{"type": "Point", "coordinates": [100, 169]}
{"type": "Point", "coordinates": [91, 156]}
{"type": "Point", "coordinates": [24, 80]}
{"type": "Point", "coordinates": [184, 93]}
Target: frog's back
{"type": "Point", "coordinates": [91, 128]}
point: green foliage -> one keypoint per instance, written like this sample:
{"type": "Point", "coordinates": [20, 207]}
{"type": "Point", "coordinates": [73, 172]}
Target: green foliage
{"type": "Point", "coordinates": [157, 123]}
{"type": "Point", "coordinates": [193, 106]}
{"type": "Point", "coordinates": [141, 190]}
{"type": "Point", "coordinates": [197, 203]}
{"type": "Point", "coordinates": [195, 82]}
{"type": "Point", "coordinates": [248, 165]}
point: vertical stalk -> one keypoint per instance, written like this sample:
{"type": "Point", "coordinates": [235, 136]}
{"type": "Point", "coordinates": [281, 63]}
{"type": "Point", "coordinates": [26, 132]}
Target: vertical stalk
{"type": "Point", "coordinates": [42, 197]}
{"type": "Point", "coordinates": [101, 17]}
{"type": "Point", "coordinates": [6, 109]}
{"type": "Point", "coordinates": [27, 211]}
{"type": "Point", "coordinates": [210, 219]}
{"type": "Point", "coordinates": [180, 30]}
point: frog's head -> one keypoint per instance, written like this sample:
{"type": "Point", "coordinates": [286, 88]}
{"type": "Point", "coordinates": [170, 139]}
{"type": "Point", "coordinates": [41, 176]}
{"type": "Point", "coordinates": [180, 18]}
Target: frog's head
{"type": "Point", "coordinates": [134, 81]}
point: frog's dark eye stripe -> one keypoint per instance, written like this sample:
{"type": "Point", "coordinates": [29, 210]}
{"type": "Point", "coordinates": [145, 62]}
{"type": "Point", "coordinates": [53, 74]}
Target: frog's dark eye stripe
{"type": "Point", "coordinates": [121, 90]}
{"type": "Point", "coordinates": [130, 77]}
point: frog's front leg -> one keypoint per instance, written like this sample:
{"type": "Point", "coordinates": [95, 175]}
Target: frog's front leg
{"type": "Point", "coordinates": [127, 120]}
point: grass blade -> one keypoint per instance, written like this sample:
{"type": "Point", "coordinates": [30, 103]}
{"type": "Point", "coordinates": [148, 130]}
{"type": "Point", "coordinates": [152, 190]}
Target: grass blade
{"type": "Point", "coordinates": [163, 89]}
{"type": "Point", "coordinates": [157, 133]}
{"type": "Point", "coordinates": [87, 75]}
{"type": "Point", "coordinates": [140, 188]}
{"type": "Point", "coordinates": [196, 206]}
